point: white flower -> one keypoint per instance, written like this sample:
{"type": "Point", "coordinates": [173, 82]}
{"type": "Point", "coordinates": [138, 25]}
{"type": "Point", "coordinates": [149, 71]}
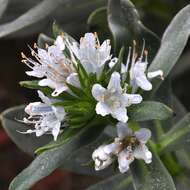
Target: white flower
{"type": "Point", "coordinates": [45, 117]}
{"type": "Point", "coordinates": [137, 69]}
{"type": "Point", "coordinates": [126, 147]}
{"type": "Point", "coordinates": [91, 54]}
{"type": "Point", "coordinates": [52, 65]}
{"type": "Point", "coordinates": [103, 156]}
{"type": "Point", "coordinates": [132, 145]}
{"type": "Point", "coordinates": [138, 72]}
{"type": "Point", "coordinates": [113, 100]}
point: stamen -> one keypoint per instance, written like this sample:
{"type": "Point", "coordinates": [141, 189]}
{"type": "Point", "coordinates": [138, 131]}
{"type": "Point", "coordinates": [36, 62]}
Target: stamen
{"type": "Point", "coordinates": [143, 49]}
{"type": "Point", "coordinates": [23, 55]}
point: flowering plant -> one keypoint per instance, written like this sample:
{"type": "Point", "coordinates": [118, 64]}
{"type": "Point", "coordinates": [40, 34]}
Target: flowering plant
{"type": "Point", "coordinates": [100, 104]}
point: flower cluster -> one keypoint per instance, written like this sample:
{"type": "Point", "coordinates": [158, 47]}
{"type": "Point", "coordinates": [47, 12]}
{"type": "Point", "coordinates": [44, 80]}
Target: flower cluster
{"type": "Point", "coordinates": [70, 67]}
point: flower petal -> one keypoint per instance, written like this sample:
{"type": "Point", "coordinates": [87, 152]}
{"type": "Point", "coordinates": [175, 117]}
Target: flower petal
{"type": "Point", "coordinates": [98, 92]}
{"type": "Point", "coordinates": [142, 152]}
{"type": "Point", "coordinates": [47, 82]}
{"type": "Point", "coordinates": [112, 148]}
{"type": "Point", "coordinates": [102, 109]}
{"type": "Point", "coordinates": [115, 83]}
{"type": "Point", "coordinates": [120, 114]}
{"type": "Point", "coordinates": [143, 135]}
{"type": "Point", "coordinates": [59, 112]}
{"type": "Point", "coordinates": [129, 99]}
{"type": "Point", "coordinates": [56, 130]}
{"type": "Point", "coordinates": [125, 158]}
{"type": "Point", "coordinates": [113, 62]}
{"type": "Point", "coordinates": [123, 130]}
{"type": "Point", "coordinates": [60, 43]}
{"type": "Point", "coordinates": [44, 98]}
{"type": "Point", "coordinates": [59, 90]}
{"type": "Point", "coordinates": [73, 80]}
{"type": "Point", "coordinates": [155, 74]}
{"type": "Point", "coordinates": [143, 83]}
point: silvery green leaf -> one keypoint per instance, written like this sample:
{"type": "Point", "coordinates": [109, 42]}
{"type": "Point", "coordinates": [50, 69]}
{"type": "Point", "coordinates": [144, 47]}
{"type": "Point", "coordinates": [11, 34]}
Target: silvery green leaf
{"type": "Point", "coordinates": [152, 176]}
{"type": "Point", "coordinates": [27, 143]}
{"type": "Point", "coordinates": [149, 110]}
{"type": "Point", "coordinates": [3, 6]}
{"type": "Point", "coordinates": [36, 16]}
{"type": "Point", "coordinates": [81, 162]}
{"type": "Point", "coordinates": [97, 22]}
{"type": "Point", "coordinates": [125, 25]}
{"type": "Point", "coordinates": [116, 182]}
{"type": "Point", "coordinates": [48, 161]}
{"type": "Point", "coordinates": [33, 16]}
{"type": "Point", "coordinates": [172, 44]}
{"type": "Point", "coordinates": [178, 137]}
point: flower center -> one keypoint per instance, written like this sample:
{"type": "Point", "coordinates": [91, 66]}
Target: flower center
{"type": "Point", "coordinates": [112, 100]}
{"type": "Point", "coordinates": [130, 143]}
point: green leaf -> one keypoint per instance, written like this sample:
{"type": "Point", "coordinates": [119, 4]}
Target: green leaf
{"type": "Point", "coordinates": [97, 21]}
{"type": "Point", "coordinates": [77, 91]}
{"type": "Point", "coordinates": [26, 142]}
{"type": "Point", "coordinates": [152, 176]}
{"type": "Point", "coordinates": [62, 139]}
{"type": "Point", "coordinates": [177, 137]}
{"type": "Point", "coordinates": [149, 110]}
{"type": "Point", "coordinates": [116, 182]}
{"type": "Point", "coordinates": [125, 25]}
{"type": "Point", "coordinates": [3, 7]}
{"type": "Point", "coordinates": [172, 45]}
{"type": "Point", "coordinates": [49, 160]}
{"type": "Point", "coordinates": [46, 90]}
{"type": "Point", "coordinates": [57, 30]}
{"type": "Point", "coordinates": [34, 15]}
{"type": "Point", "coordinates": [79, 159]}
{"type": "Point", "coordinates": [43, 40]}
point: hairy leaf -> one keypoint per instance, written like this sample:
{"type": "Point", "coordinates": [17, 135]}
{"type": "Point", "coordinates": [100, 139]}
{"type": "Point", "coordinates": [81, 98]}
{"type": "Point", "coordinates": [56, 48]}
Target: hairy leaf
{"type": "Point", "coordinates": [178, 136]}
{"type": "Point", "coordinates": [49, 160]}
{"type": "Point", "coordinates": [116, 182]}
{"type": "Point", "coordinates": [125, 25]}
{"type": "Point", "coordinates": [26, 142]}
{"type": "Point", "coordinates": [149, 110]}
{"type": "Point", "coordinates": [151, 177]}
{"type": "Point", "coordinates": [172, 44]}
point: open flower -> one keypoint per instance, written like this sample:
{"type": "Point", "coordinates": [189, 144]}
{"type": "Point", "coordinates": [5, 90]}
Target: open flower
{"type": "Point", "coordinates": [126, 147]}
{"type": "Point", "coordinates": [53, 66]}
{"type": "Point", "coordinates": [137, 68]}
{"type": "Point", "coordinates": [138, 71]}
{"type": "Point", "coordinates": [45, 117]}
{"type": "Point", "coordinates": [91, 54]}
{"type": "Point", "coordinates": [113, 100]}
{"type": "Point", "coordinates": [132, 145]}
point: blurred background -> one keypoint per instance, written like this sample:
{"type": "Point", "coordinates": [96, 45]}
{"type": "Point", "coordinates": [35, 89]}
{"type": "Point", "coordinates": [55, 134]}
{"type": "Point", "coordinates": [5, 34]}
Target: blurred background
{"type": "Point", "coordinates": [21, 22]}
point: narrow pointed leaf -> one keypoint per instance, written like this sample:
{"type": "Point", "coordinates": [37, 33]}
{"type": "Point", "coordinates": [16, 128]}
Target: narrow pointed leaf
{"type": "Point", "coordinates": [48, 161]}
{"type": "Point", "coordinates": [3, 6]}
{"type": "Point", "coordinates": [46, 90]}
{"type": "Point", "coordinates": [33, 16]}
{"type": "Point", "coordinates": [26, 142]}
{"type": "Point", "coordinates": [149, 110]}
{"type": "Point", "coordinates": [178, 137]}
{"type": "Point", "coordinates": [97, 21]}
{"type": "Point", "coordinates": [172, 44]}
{"type": "Point", "coordinates": [116, 182]}
{"type": "Point", "coordinates": [152, 176]}
{"type": "Point", "coordinates": [125, 25]}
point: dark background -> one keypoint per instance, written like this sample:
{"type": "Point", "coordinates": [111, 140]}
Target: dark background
{"type": "Point", "coordinates": [155, 14]}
